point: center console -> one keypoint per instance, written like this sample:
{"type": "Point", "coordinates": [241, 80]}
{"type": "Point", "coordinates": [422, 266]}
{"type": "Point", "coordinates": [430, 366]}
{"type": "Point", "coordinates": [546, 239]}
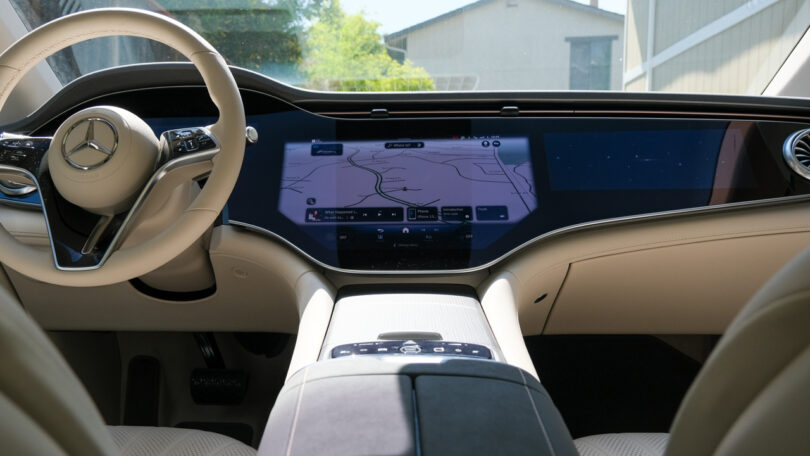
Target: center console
{"type": "Point", "coordinates": [422, 321]}
{"type": "Point", "coordinates": [411, 371]}
{"type": "Point", "coordinates": [450, 406]}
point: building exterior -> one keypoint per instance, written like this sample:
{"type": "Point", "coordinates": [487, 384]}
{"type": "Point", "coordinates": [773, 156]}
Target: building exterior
{"type": "Point", "coordinates": [718, 46]}
{"type": "Point", "coordinates": [548, 45]}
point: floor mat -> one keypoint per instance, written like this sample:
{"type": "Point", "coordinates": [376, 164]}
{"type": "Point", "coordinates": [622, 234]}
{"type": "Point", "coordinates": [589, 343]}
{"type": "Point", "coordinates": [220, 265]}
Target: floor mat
{"type": "Point", "coordinates": [142, 399]}
{"type": "Point", "coordinates": [604, 384]}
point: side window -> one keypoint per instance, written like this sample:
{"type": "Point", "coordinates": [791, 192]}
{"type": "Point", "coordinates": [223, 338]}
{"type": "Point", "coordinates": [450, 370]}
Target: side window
{"type": "Point", "coordinates": [590, 62]}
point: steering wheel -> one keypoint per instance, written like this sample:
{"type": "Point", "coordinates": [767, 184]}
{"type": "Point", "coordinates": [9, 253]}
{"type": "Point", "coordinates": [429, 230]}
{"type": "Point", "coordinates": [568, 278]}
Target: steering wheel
{"type": "Point", "coordinates": [103, 163]}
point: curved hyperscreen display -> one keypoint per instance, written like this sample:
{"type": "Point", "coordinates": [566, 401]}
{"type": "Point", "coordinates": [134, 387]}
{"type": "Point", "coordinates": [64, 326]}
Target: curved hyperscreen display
{"type": "Point", "coordinates": [452, 194]}
{"type": "Point", "coordinates": [460, 193]}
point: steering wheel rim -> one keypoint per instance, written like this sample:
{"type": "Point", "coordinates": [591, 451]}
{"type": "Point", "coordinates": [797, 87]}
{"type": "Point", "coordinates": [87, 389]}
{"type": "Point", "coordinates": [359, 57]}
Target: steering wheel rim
{"type": "Point", "coordinates": [229, 130]}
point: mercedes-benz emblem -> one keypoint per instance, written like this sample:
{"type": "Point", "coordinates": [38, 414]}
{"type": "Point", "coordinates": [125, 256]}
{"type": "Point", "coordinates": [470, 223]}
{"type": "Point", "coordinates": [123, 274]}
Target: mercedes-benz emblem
{"type": "Point", "coordinates": [95, 152]}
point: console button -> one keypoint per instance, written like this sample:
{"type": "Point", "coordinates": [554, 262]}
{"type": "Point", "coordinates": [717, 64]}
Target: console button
{"type": "Point", "coordinates": [410, 349]}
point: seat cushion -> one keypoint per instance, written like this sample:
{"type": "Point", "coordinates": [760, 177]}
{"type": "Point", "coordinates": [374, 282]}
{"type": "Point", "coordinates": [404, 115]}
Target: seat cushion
{"type": "Point", "coordinates": [162, 441]}
{"type": "Point", "coordinates": [630, 444]}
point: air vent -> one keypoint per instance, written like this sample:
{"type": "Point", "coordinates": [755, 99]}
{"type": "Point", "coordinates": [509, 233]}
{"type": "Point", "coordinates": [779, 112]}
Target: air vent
{"type": "Point", "coordinates": [797, 153]}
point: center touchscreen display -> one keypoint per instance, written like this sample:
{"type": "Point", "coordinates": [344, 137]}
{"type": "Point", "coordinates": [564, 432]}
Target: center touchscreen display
{"type": "Point", "coordinates": [409, 193]}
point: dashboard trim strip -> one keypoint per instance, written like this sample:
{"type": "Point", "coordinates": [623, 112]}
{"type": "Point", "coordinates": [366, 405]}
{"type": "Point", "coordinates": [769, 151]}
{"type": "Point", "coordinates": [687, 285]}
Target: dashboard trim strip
{"type": "Point", "coordinates": [460, 112]}
{"type": "Point", "coordinates": [572, 112]}
{"type": "Point", "coordinates": [543, 237]}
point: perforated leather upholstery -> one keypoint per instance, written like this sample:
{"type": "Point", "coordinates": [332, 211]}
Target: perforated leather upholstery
{"type": "Point", "coordinates": [45, 409]}
{"type": "Point", "coordinates": [156, 441]}
{"type": "Point", "coordinates": [643, 444]}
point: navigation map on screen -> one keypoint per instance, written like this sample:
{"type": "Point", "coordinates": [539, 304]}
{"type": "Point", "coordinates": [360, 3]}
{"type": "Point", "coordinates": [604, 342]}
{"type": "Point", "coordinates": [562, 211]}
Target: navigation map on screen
{"type": "Point", "coordinates": [447, 181]}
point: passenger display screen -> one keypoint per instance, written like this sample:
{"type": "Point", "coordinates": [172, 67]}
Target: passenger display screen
{"type": "Point", "coordinates": [408, 193]}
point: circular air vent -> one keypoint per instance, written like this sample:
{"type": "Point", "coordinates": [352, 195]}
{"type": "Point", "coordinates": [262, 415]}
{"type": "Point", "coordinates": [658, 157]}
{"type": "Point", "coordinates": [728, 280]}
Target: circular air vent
{"type": "Point", "coordinates": [797, 153]}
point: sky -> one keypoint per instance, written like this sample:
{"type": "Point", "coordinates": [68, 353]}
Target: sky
{"type": "Point", "coordinates": [395, 15]}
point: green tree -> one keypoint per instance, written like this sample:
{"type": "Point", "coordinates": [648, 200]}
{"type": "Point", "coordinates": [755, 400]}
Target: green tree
{"type": "Point", "coordinates": [346, 53]}
{"type": "Point", "coordinates": [264, 35]}
{"type": "Point", "coordinates": [249, 33]}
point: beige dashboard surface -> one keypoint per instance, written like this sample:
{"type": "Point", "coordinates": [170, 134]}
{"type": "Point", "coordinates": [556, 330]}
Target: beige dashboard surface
{"type": "Point", "coordinates": [27, 225]}
{"type": "Point", "coordinates": [681, 274]}
{"type": "Point", "coordinates": [256, 291]}
{"type": "Point", "coordinates": [684, 274]}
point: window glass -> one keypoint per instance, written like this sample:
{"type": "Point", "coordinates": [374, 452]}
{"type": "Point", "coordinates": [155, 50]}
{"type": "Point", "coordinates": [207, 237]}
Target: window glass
{"type": "Point", "coordinates": [590, 63]}
{"type": "Point", "coordinates": [730, 46]}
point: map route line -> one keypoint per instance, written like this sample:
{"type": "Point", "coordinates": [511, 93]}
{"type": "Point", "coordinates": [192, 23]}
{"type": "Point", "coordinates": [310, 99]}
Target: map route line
{"type": "Point", "coordinates": [458, 171]}
{"type": "Point", "coordinates": [302, 179]}
{"type": "Point", "coordinates": [528, 184]}
{"type": "Point", "coordinates": [378, 184]}
{"type": "Point", "coordinates": [495, 156]}
{"type": "Point", "coordinates": [365, 197]}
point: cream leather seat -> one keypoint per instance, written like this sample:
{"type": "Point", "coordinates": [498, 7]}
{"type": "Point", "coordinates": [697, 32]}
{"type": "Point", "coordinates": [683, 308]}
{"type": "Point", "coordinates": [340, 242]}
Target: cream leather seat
{"type": "Point", "coordinates": [752, 396]}
{"type": "Point", "coordinates": [45, 410]}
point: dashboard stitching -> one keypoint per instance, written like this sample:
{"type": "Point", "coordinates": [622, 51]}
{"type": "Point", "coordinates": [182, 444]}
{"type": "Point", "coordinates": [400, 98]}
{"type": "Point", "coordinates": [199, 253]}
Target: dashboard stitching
{"type": "Point", "coordinates": [684, 241]}
{"type": "Point", "coordinates": [556, 297]}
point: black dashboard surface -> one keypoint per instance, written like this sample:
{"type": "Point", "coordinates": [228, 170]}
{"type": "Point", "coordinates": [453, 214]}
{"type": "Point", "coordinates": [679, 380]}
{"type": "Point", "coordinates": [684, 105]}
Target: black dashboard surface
{"type": "Point", "coordinates": [445, 190]}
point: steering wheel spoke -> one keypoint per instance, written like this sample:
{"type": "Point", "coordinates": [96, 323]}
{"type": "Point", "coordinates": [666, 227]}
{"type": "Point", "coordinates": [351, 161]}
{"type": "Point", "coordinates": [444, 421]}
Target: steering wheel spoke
{"type": "Point", "coordinates": [186, 154]}
{"type": "Point", "coordinates": [80, 240]}
{"type": "Point", "coordinates": [21, 173]}
{"type": "Point", "coordinates": [83, 241]}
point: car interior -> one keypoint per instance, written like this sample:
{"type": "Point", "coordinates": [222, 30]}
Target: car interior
{"type": "Point", "coordinates": [199, 259]}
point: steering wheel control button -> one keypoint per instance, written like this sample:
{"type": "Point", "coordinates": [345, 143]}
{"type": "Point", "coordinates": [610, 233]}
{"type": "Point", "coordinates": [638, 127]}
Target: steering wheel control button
{"type": "Point", "coordinates": [24, 153]}
{"type": "Point", "coordinates": [187, 141]}
{"type": "Point", "coordinates": [412, 348]}
{"type": "Point", "coordinates": [191, 145]}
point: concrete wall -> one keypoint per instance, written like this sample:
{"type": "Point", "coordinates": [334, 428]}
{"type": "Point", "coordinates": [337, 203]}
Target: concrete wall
{"type": "Point", "coordinates": [511, 45]}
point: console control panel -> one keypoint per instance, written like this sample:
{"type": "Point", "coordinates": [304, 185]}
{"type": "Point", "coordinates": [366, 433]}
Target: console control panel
{"type": "Point", "coordinates": [412, 348]}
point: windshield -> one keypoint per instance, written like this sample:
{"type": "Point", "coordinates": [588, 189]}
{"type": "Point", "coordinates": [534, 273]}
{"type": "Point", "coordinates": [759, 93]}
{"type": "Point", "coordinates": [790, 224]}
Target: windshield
{"type": "Point", "coordinates": [730, 46]}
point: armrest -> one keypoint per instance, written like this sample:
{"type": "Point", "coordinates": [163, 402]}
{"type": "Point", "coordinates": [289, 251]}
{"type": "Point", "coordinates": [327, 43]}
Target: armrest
{"type": "Point", "coordinates": [448, 407]}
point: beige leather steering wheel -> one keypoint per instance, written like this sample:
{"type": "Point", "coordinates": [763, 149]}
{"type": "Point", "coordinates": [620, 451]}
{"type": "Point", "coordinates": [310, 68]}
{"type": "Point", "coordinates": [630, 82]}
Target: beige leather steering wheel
{"type": "Point", "coordinates": [224, 161]}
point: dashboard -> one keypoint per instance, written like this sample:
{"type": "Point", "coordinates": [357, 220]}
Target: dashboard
{"type": "Point", "coordinates": [455, 190]}
{"type": "Point", "coordinates": [444, 194]}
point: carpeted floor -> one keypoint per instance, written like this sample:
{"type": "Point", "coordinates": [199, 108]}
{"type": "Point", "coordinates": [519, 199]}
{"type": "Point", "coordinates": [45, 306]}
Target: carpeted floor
{"type": "Point", "coordinates": [604, 384]}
